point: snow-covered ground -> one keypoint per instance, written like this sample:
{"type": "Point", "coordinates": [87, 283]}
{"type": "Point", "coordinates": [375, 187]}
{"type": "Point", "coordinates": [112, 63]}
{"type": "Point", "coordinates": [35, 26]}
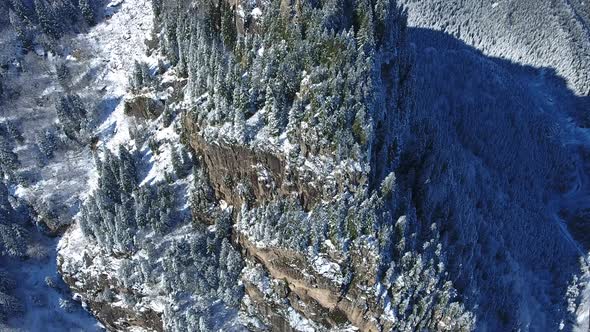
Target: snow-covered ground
{"type": "Point", "coordinates": [46, 299]}
{"type": "Point", "coordinates": [115, 45]}
{"type": "Point", "coordinates": [105, 56]}
{"type": "Point", "coordinates": [542, 33]}
{"type": "Point", "coordinates": [102, 58]}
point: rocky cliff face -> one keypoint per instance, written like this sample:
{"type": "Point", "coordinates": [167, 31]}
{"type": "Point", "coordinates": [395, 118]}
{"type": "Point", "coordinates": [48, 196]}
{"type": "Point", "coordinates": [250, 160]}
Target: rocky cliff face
{"type": "Point", "coordinates": [145, 107]}
{"type": "Point", "coordinates": [254, 175]}
{"type": "Point", "coordinates": [297, 220]}
{"type": "Point", "coordinates": [94, 279]}
{"type": "Point", "coordinates": [266, 176]}
{"type": "Point", "coordinates": [290, 184]}
{"type": "Point", "coordinates": [328, 289]}
{"type": "Point", "coordinates": [317, 297]}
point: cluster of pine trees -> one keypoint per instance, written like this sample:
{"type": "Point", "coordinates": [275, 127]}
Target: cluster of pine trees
{"type": "Point", "coordinates": [14, 239]}
{"type": "Point", "coordinates": [9, 305]}
{"type": "Point", "coordinates": [72, 115]}
{"type": "Point", "coordinates": [201, 266]}
{"type": "Point", "coordinates": [411, 272]}
{"type": "Point", "coordinates": [491, 163]}
{"type": "Point", "coordinates": [13, 235]}
{"type": "Point", "coordinates": [333, 75]}
{"type": "Point", "coordinates": [52, 19]}
{"type": "Point", "coordinates": [120, 208]}
{"type": "Point", "coordinates": [10, 137]}
{"type": "Point", "coordinates": [74, 124]}
{"type": "Point", "coordinates": [136, 222]}
{"type": "Point", "coordinates": [334, 78]}
{"type": "Point", "coordinates": [141, 77]}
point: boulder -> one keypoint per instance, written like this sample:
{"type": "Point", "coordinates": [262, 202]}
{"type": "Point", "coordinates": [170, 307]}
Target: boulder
{"type": "Point", "coordinates": [144, 106]}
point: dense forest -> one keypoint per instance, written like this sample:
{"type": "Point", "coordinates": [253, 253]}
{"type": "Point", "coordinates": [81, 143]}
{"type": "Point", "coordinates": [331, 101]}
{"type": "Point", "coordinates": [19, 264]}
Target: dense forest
{"type": "Point", "coordinates": [297, 165]}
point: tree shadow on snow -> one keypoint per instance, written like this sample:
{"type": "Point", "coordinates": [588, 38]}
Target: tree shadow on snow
{"type": "Point", "coordinates": [106, 107]}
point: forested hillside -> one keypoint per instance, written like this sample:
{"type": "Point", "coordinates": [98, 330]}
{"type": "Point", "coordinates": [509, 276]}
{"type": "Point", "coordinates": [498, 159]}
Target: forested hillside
{"type": "Point", "coordinates": [552, 34]}
{"type": "Point", "coordinates": [306, 165]}
{"type": "Point", "coordinates": [317, 99]}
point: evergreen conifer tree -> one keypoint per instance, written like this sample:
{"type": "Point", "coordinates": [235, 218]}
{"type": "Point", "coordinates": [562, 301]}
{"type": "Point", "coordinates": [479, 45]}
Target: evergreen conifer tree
{"type": "Point", "coordinates": [87, 12]}
{"type": "Point", "coordinates": [47, 19]}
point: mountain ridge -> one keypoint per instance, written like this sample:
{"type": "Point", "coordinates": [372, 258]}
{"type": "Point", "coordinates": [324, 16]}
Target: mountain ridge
{"type": "Point", "coordinates": [303, 166]}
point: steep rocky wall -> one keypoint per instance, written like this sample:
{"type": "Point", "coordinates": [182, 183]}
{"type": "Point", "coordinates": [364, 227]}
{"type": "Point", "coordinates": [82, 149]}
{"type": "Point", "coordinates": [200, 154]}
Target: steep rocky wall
{"type": "Point", "coordinates": [92, 276]}
{"type": "Point", "coordinates": [325, 301]}
{"type": "Point", "coordinates": [240, 175]}
{"type": "Point", "coordinates": [114, 317]}
{"type": "Point", "coordinates": [256, 304]}
{"type": "Point", "coordinates": [143, 106]}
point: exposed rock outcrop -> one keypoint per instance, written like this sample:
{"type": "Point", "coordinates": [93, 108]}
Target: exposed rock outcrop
{"type": "Point", "coordinates": [117, 307]}
{"type": "Point", "coordinates": [239, 175]}
{"type": "Point", "coordinates": [144, 106]}
{"type": "Point", "coordinates": [257, 304]}
{"type": "Point", "coordinates": [117, 317]}
{"type": "Point", "coordinates": [326, 301]}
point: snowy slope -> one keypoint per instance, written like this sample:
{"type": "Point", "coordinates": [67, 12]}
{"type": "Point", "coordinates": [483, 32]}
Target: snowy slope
{"type": "Point", "coordinates": [100, 61]}
{"type": "Point", "coordinates": [497, 159]}
{"type": "Point", "coordinates": [505, 165]}
{"type": "Point", "coordinates": [512, 107]}
{"type": "Point", "coordinates": [113, 46]}
{"type": "Point", "coordinates": [542, 33]}
{"type": "Point", "coordinates": [48, 304]}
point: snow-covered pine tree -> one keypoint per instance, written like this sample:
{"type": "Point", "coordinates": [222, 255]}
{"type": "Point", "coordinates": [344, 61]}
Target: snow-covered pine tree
{"type": "Point", "coordinates": [22, 28]}
{"type": "Point", "coordinates": [87, 11]}
{"type": "Point", "coordinates": [108, 182]}
{"type": "Point", "coordinates": [47, 19]}
{"type": "Point", "coordinates": [66, 11]}
{"type": "Point", "coordinates": [271, 106]}
{"type": "Point", "coordinates": [9, 162]}
{"type": "Point", "coordinates": [157, 8]}
{"type": "Point", "coordinates": [13, 131]}
{"type": "Point", "coordinates": [127, 171]}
